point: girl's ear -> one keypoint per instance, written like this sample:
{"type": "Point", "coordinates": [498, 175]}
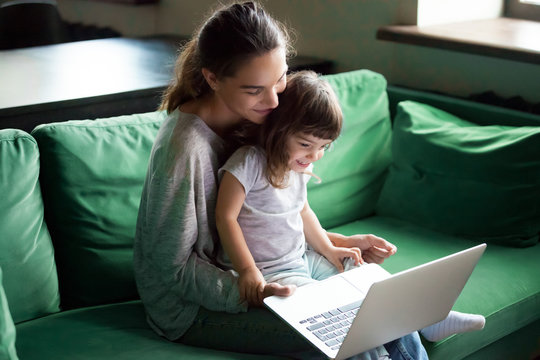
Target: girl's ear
{"type": "Point", "coordinates": [210, 78]}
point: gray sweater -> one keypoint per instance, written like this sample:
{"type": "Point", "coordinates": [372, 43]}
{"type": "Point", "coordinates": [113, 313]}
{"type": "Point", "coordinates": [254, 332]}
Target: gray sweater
{"type": "Point", "coordinates": [176, 238]}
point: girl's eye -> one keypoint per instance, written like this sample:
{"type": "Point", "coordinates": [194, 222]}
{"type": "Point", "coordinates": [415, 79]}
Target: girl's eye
{"type": "Point", "coordinates": [326, 147]}
{"type": "Point", "coordinates": [304, 145]}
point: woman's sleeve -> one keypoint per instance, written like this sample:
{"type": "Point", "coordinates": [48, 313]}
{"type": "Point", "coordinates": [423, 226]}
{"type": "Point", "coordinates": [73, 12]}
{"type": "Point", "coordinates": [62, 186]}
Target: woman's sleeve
{"type": "Point", "coordinates": [179, 241]}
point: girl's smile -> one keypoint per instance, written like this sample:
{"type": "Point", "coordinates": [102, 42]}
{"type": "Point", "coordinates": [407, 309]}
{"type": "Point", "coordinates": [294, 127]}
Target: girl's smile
{"type": "Point", "coordinates": [305, 149]}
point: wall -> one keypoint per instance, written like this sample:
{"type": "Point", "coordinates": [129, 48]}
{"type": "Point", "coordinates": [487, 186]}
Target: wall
{"type": "Point", "coordinates": [129, 20]}
{"type": "Point", "coordinates": [339, 30]}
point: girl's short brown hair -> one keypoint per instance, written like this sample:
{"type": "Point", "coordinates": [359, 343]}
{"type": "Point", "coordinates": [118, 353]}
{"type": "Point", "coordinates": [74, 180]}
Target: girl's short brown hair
{"type": "Point", "coordinates": [309, 106]}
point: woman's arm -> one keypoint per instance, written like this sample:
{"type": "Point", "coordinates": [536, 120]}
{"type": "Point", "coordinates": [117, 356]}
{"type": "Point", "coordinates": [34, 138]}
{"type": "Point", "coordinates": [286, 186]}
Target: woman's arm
{"type": "Point", "coordinates": [317, 237]}
{"type": "Point", "coordinates": [174, 274]}
{"type": "Point", "coordinates": [231, 196]}
{"type": "Point", "coordinates": [374, 249]}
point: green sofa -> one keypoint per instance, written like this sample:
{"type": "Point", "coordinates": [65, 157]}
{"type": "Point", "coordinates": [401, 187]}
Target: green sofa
{"type": "Point", "coordinates": [401, 169]}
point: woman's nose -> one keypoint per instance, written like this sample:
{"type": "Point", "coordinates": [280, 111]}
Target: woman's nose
{"type": "Point", "coordinates": [271, 99]}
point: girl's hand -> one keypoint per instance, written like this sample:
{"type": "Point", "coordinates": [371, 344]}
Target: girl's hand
{"type": "Point", "coordinates": [336, 255]}
{"type": "Point", "coordinates": [251, 284]}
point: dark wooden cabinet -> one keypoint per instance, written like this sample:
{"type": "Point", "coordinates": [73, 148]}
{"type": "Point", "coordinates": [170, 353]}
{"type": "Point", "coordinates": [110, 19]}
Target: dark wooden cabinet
{"type": "Point", "coordinates": [92, 79]}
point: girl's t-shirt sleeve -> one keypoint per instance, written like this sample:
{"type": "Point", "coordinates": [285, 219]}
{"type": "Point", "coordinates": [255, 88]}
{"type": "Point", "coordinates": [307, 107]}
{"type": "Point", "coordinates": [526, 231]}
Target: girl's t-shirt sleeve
{"type": "Point", "coordinates": [247, 165]}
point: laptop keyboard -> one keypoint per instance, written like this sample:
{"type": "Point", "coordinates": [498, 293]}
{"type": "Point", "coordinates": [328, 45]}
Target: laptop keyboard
{"type": "Point", "coordinates": [332, 326]}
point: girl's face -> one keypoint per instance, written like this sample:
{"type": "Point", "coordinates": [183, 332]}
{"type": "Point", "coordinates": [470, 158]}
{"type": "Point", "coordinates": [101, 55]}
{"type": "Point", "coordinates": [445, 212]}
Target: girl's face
{"type": "Point", "coordinates": [253, 92]}
{"type": "Point", "coordinates": [305, 149]}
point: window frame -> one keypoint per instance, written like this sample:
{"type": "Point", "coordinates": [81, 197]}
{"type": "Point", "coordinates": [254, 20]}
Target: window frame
{"type": "Point", "coordinates": [522, 10]}
{"type": "Point", "coordinates": [129, 2]}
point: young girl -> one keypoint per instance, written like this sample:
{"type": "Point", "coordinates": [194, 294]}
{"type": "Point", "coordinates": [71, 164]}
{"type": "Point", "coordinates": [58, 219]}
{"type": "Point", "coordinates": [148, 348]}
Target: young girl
{"type": "Point", "coordinates": [262, 214]}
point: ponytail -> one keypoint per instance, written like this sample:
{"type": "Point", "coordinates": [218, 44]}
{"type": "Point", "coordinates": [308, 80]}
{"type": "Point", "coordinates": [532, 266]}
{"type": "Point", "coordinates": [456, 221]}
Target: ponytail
{"type": "Point", "coordinates": [188, 83]}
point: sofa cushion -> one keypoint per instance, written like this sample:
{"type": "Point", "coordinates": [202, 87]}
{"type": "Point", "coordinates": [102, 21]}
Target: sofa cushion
{"type": "Point", "coordinates": [479, 113]}
{"type": "Point", "coordinates": [457, 177]}
{"type": "Point", "coordinates": [92, 176]}
{"type": "Point", "coordinates": [504, 287]}
{"type": "Point", "coordinates": [26, 251]}
{"type": "Point", "coordinates": [353, 171]}
{"type": "Point", "coordinates": [117, 331]}
{"type": "Point", "coordinates": [7, 328]}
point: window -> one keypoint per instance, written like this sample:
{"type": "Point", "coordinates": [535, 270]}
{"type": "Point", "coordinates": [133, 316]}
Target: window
{"type": "Point", "coordinates": [508, 37]}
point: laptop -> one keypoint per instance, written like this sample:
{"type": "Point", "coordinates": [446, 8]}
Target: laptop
{"type": "Point", "coordinates": [365, 307]}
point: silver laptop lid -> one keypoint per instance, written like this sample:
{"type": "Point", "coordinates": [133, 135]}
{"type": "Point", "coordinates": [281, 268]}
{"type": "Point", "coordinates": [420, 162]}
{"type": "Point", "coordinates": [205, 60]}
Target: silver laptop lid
{"type": "Point", "coordinates": [409, 300]}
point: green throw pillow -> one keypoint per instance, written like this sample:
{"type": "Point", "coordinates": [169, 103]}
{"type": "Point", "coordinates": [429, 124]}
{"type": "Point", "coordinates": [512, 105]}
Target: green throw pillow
{"type": "Point", "coordinates": [354, 169]}
{"type": "Point", "coordinates": [92, 172]}
{"type": "Point", "coordinates": [7, 328]}
{"type": "Point", "coordinates": [451, 175]}
{"type": "Point", "coordinates": [26, 249]}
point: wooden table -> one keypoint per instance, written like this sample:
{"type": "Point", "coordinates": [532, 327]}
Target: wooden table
{"type": "Point", "coordinates": [92, 79]}
{"type": "Point", "coordinates": [84, 79]}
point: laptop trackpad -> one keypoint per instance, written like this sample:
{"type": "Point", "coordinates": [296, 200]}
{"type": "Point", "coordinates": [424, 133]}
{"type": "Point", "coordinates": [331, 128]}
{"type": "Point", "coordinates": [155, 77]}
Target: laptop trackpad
{"type": "Point", "coordinates": [315, 298]}
{"type": "Point", "coordinates": [331, 293]}
{"type": "Point", "coordinates": [364, 276]}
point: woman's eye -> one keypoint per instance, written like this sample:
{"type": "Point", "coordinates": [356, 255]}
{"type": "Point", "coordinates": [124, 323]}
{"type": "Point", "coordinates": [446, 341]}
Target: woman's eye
{"type": "Point", "coordinates": [255, 92]}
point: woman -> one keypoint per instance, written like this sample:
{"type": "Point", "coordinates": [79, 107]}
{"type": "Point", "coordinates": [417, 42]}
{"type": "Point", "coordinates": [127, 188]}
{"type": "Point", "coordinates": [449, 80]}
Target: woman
{"type": "Point", "coordinates": [230, 72]}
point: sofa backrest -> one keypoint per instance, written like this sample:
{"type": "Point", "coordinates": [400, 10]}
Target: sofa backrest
{"type": "Point", "coordinates": [26, 251]}
{"type": "Point", "coordinates": [92, 173]}
{"type": "Point", "coordinates": [354, 169]}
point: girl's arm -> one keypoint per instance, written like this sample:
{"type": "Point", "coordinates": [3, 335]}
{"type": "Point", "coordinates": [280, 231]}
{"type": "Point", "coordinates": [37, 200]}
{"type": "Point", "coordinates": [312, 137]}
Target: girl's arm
{"type": "Point", "coordinates": [317, 237]}
{"type": "Point", "coordinates": [231, 196]}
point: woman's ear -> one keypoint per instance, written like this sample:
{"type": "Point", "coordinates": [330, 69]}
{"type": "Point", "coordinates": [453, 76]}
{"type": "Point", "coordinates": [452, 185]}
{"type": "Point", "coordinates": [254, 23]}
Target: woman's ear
{"type": "Point", "coordinates": [210, 78]}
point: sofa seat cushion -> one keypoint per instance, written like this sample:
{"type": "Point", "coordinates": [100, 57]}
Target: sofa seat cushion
{"type": "Point", "coordinates": [457, 177]}
{"type": "Point", "coordinates": [26, 250]}
{"type": "Point", "coordinates": [93, 173]}
{"type": "Point", "coordinates": [118, 331]}
{"type": "Point", "coordinates": [504, 287]}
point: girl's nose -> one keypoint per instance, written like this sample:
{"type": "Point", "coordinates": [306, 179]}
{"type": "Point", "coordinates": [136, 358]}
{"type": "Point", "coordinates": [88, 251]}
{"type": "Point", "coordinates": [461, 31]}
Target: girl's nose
{"type": "Point", "coordinates": [315, 155]}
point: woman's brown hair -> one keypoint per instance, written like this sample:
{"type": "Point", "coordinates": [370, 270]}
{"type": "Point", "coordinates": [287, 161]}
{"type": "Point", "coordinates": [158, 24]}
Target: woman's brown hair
{"type": "Point", "coordinates": [231, 36]}
{"type": "Point", "coordinates": [308, 106]}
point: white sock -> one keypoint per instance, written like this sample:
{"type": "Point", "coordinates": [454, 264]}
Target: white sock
{"type": "Point", "coordinates": [454, 323]}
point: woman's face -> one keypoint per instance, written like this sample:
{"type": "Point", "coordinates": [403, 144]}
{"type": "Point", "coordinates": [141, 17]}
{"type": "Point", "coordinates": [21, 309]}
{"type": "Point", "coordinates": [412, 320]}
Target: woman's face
{"type": "Point", "coordinates": [253, 92]}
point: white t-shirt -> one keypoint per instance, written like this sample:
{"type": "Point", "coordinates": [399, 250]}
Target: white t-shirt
{"type": "Point", "coordinates": [270, 217]}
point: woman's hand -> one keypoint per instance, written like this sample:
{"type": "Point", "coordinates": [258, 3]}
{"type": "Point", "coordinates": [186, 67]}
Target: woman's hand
{"type": "Point", "coordinates": [374, 249]}
{"type": "Point", "coordinates": [337, 255]}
